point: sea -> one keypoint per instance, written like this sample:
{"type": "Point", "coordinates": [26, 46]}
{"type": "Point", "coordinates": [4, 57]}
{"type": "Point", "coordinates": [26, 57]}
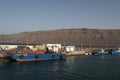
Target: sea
{"type": "Point", "coordinates": [103, 67]}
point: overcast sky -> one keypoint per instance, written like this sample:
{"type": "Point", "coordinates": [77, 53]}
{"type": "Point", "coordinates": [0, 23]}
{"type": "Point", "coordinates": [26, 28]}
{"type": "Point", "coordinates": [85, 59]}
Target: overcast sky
{"type": "Point", "coordinates": [34, 15]}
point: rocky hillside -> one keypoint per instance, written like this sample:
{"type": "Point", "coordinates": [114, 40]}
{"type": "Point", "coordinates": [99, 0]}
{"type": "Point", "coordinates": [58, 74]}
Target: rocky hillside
{"type": "Point", "coordinates": [78, 37]}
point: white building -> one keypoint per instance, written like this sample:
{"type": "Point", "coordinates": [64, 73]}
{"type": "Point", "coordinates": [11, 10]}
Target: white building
{"type": "Point", "coordinates": [54, 47]}
{"type": "Point", "coordinates": [69, 48]}
{"type": "Point", "coordinates": [8, 47]}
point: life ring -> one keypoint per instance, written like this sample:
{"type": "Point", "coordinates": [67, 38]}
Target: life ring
{"type": "Point", "coordinates": [21, 56]}
{"type": "Point", "coordinates": [36, 56]}
{"type": "Point", "coordinates": [61, 56]}
{"type": "Point", "coordinates": [53, 56]}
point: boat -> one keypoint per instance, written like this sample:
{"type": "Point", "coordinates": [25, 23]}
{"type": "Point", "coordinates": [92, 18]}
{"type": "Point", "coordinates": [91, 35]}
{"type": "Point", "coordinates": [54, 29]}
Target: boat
{"type": "Point", "coordinates": [115, 51]}
{"type": "Point", "coordinates": [110, 52]}
{"type": "Point", "coordinates": [27, 56]}
{"type": "Point", "coordinates": [100, 53]}
{"type": "Point", "coordinates": [22, 56]}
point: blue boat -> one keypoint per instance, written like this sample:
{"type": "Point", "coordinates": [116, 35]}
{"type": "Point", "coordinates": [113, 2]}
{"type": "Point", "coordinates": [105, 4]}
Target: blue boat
{"type": "Point", "coordinates": [22, 56]}
{"type": "Point", "coordinates": [114, 51]}
{"type": "Point", "coordinates": [35, 56]}
{"type": "Point", "coordinates": [100, 53]}
{"type": "Point", "coordinates": [111, 52]}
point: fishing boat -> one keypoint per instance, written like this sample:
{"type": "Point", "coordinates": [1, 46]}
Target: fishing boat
{"type": "Point", "coordinates": [111, 52]}
{"type": "Point", "coordinates": [22, 56]}
{"type": "Point", "coordinates": [115, 51]}
{"type": "Point", "coordinates": [100, 53]}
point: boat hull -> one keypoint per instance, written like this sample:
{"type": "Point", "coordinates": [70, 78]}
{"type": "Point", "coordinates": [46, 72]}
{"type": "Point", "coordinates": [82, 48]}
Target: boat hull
{"type": "Point", "coordinates": [100, 53]}
{"type": "Point", "coordinates": [112, 52]}
{"type": "Point", "coordinates": [36, 57]}
{"type": "Point", "coordinates": [115, 52]}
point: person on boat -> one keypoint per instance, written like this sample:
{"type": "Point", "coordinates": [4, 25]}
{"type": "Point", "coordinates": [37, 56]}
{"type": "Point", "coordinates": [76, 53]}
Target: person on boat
{"type": "Point", "coordinates": [47, 50]}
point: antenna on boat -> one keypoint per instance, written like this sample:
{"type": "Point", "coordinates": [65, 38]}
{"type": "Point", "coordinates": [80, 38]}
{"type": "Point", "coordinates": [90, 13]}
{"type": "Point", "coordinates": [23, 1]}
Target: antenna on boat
{"type": "Point", "coordinates": [81, 46]}
{"type": "Point", "coordinates": [27, 41]}
{"type": "Point", "coordinates": [3, 49]}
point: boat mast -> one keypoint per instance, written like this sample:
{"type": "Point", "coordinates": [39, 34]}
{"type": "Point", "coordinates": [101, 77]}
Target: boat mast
{"type": "Point", "coordinates": [27, 42]}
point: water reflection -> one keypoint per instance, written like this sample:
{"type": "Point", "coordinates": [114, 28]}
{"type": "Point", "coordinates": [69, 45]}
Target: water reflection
{"type": "Point", "coordinates": [73, 68]}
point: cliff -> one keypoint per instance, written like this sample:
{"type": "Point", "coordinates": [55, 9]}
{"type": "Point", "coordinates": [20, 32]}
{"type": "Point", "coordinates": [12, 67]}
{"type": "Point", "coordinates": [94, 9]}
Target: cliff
{"type": "Point", "coordinates": [86, 37]}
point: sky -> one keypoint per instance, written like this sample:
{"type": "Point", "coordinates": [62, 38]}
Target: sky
{"type": "Point", "coordinates": [34, 15]}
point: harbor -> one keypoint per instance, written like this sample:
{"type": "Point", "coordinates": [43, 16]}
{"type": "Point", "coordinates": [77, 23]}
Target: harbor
{"type": "Point", "coordinates": [59, 40]}
{"type": "Point", "coordinates": [73, 68]}
{"type": "Point", "coordinates": [55, 49]}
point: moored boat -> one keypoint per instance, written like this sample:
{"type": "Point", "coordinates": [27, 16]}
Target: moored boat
{"type": "Point", "coordinates": [115, 51]}
{"type": "Point", "coordinates": [100, 53]}
{"type": "Point", "coordinates": [26, 56]}
{"type": "Point", "coordinates": [110, 52]}
{"type": "Point", "coordinates": [21, 55]}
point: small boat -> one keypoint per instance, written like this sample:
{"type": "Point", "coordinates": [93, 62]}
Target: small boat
{"type": "Point", "coordinates": [100, 53]}
{"type": "Point", "coordinates": [111, 52]}
{"type": "Point", "coordinates": [115, 51]}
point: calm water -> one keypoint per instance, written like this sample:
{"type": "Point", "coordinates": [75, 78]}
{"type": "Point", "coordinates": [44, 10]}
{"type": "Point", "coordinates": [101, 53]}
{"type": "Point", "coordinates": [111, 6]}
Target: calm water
{"type": "Point", "coordinates": [73, 68]}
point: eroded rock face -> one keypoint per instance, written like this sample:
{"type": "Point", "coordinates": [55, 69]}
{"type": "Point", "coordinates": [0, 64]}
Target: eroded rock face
{"type": "Point", "coordinates": [94, 37]}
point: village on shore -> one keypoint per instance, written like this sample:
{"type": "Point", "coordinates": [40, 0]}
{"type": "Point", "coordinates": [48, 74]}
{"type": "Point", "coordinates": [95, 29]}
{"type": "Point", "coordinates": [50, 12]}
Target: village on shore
{"type": "Point", "coordinates": [53, 48]}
